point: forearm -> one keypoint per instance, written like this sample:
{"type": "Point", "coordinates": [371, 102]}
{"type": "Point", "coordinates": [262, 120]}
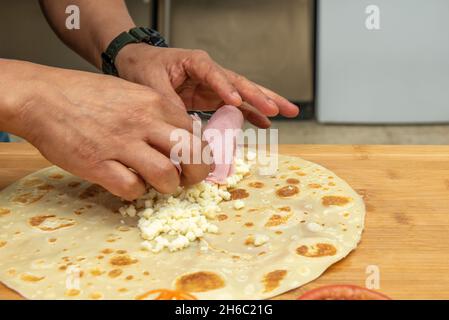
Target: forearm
{"type": "Point", "coordinates": [101, 21]}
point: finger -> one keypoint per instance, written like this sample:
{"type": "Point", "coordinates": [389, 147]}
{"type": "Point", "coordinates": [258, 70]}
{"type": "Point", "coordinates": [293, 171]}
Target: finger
{"type": "Point", "coordinates": [155, 168]}
{"type": "Point", "coordinates": [286, 108]}
{"type": "Point", "coordinates": [202, 68]}
{"type": "Point", "coordinates": [180, 145]}
{"type": "Point", "coordinates": [254, 96]}
{"type": "Point", "coordinates": [117, 179]}
{"type": "Point", "coordinates": [254, 116]}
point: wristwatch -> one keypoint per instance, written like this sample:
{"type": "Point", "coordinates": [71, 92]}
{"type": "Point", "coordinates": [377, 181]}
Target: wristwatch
{"type": "Point", "coordinates": [134, 35]}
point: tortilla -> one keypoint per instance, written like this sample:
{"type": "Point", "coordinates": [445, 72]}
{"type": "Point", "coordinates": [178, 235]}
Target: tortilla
{"type": "Point", "coordinates": [63, 238]}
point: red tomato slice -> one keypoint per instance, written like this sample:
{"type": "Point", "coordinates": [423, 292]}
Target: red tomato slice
{"type": "Point", "coordinates": [342, 292]}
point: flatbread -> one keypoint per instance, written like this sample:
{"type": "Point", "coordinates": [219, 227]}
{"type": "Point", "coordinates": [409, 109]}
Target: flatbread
{"type": "Point", "coordinates": [63, 238]}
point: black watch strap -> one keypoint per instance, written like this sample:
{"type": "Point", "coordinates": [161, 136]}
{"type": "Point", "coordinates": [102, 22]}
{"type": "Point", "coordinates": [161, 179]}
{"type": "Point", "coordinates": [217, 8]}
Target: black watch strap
{"type": "Point", "coordinates": [135, 35]}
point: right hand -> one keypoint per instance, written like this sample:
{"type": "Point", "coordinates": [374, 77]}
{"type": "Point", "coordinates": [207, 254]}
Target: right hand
{"type": "Point", "coordinates": [106, 130]}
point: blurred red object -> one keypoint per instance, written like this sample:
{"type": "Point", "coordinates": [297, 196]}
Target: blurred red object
{"type": "Point", "coordinates": [342, 292]}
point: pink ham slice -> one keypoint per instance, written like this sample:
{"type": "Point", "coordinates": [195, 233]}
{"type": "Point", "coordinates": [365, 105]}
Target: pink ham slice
{"type": "Point", "coordinates": [221, 132]}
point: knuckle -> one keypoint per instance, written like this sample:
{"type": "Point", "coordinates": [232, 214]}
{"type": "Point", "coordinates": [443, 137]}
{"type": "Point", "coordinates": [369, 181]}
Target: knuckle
{"type": "Point", "coordinates": [201, 54]}
{"type": "Point", "coordinates": [240, 78]}
{"type": "Point", "coordinates": [130, 188]}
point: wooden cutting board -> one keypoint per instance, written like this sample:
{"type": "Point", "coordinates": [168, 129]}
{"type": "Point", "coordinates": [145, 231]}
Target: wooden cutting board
{"type": "Point", "coordinates": [406, 191]}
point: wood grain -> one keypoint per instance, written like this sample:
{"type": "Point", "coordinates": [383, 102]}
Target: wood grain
{"type": "Point", "coordinates": [406, 191]}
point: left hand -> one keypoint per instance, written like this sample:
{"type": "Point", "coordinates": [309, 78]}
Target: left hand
{"type": "Point", "coordinates": [192, 80]}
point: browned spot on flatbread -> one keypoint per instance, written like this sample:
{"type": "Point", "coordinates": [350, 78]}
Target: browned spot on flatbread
{"type": "Point", "coordinates": [28, 197]}
{"type": "Point", "coordinates": [45, 187]}
{"type": "Point", "coordinates": [114, 273]}
{"type": "Point", "coordinates": [52, 240]}
{"type": "Point", "coordinates": [317, 250]}
{"type": "Point", "coordinates": [121, 251]}
{"type": "Point", "coordinates": [74, 184]}
{"type": "Point", "coordinates": [122, 290]}
{"type": "Point", "coordinates": [287, 191]}
{"type": "Point", "coordinates": [300, 173]}
{"type": "Point", "coordinates": [222, 217]}
{"type": "Point", "coordinates": [96, 272]}
{"type": "Point", "coordinates": [285, 209]}
{"type": "Point", "coordinates": [249, 224]}
{"type": "Point", "coordinates": [239, 194]}
{"type": "Point", "coordinates": [62, 268]}
{"type": "Point", "coordinates": [30, 277]}
{"type": "Point", "coordinates": [199, 282]}
{"type": "Point", "coordinates": [11, 272]}
{"type": "Point", "coordinates": [79, 211]}
{"type": "Point", "coordinates": [107, 251]}
{"type": "Point", "coordinates": [276, 220]}
{"type": "Point", "coordinates": [122, 260]}
{"type": "Point", "coordinates": [56, 176]}
{"type": "Point", "coordinates": [96, 295]}
{"type": "Point", "coordinates": [91, 191]}
{"type": "Point", "coordinates": [3, 243]}
{"type": "Point", "coordinates": [256, 184]}
{"type": "Point", "coordinates": [314, 185]}
{"type": "Point", "coordinates": [123, 228]}
{"type": "Point", "coordinates": [32, 182]}
{"type": "Point", "coordinates": [50, 222]}
{"type": "Point", "coordinates": [72, 293]}
{"type": "Point", "coordinates": [332, 184]}
{"type": "Point", "coordinates": [292, 181]}
{"type": "Point", "coordinates": [130, 277]}
{"type": "Point", "coordinates": [249, 241]}
{"type": "Point", "coordinates": [4, 212]}
{"type": "Point", "coordinates": [293, 167]}
{"type": "Point", "coordinates": [272, 279]}
{"type": "Point", "coordinates": [335, 201]}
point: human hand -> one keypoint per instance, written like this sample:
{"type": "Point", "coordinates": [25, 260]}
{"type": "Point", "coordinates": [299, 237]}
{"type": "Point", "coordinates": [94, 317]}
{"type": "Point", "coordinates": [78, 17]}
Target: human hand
{"type": "Point", "coordinates": [98, 127]}
{"type": "Point", "coordinates": [191, 79]}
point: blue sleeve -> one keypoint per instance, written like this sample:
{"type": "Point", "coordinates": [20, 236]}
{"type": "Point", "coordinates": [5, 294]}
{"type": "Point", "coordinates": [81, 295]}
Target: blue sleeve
{"type": "Point", "coordinates": [4, 137]}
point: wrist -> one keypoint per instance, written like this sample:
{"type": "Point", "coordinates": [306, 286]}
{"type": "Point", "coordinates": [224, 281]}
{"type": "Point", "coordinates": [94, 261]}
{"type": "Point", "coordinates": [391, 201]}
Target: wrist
{"type": "Point", "coordinates": [128, 59]}
{"type": "Point", "coordinates": [104, 38]}
{"type": "Point", "coordinates": [16, 93]}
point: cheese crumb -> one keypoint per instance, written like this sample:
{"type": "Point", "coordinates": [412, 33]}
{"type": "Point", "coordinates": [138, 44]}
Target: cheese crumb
{"type": "Point", "coordinates": [260, 239]}
{"type": "Point", "coordinates": [251, 155]}
{"type": "Point", "coordinates": [239, 204]}
{"type": "Point", "coordinates": [174, 221]}
{"type": "Point", "coordinates": [314, 227]}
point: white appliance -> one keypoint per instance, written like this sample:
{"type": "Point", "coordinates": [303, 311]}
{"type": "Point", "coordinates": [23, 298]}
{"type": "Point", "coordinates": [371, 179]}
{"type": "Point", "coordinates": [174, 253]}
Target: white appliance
{"type": "Point", "coordinates": [382, 61]}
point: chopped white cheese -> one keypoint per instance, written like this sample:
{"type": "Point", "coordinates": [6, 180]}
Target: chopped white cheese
{"type": "Point", "coordinates": [260, 239]}
{"type": "Point", "coordinates": [251, 155]}
{"type": "Point", "coordinates": [239, 204]}
{"type": "Point", "coordinates": [314, 227]}
{"type": "Point", "coordinates": [173, 221]}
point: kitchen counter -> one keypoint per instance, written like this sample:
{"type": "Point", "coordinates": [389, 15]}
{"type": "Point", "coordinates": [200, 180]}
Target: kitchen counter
{"type": "Point", "coordinates": [406, 192]}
